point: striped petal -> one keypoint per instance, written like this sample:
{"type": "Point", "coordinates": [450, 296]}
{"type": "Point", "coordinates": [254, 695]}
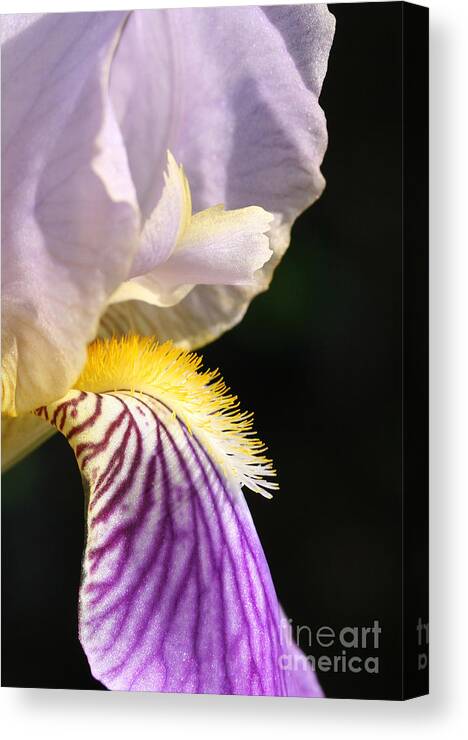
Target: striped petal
{"type": "Point", "coordinates": [176, 592]}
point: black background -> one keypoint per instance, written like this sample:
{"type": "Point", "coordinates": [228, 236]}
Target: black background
{"type": "Point", "coordinates": [318, 360]}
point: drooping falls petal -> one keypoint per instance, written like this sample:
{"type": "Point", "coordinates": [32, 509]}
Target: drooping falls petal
{"type": "Point", "coordinates": [176, 592]}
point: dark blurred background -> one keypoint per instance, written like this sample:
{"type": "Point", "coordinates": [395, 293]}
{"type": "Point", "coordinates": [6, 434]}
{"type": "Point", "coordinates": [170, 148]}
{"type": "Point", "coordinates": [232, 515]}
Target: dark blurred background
{"type": "Point", "coordinates": [318, 360]}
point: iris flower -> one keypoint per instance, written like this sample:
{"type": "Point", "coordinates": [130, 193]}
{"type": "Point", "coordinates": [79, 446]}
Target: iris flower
{"type": "Point", "coordinates": [153, 164]}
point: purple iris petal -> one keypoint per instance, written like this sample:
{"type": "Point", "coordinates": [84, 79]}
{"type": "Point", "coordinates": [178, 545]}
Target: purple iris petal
{"type": "Point", "coordinates": [176, 592]}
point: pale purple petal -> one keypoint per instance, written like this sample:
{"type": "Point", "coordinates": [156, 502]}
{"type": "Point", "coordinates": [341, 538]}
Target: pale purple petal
{"type": "Point", "coordinates": [235, 94]}
{"type": "Point", "coordinates": [217, 247]}
{"type": "Point", "coordinates": [69, 210]}
{"type": "Point", "coordinates": [144, 95]}
{"type": "Point", "coordinates": [176, 592]}
{"type": "Point", "coordinates": [160, 231]}
{"type": "Point", "coordinates": [13, 24]}
{"type": "Point", "coordinates": [179, 249]}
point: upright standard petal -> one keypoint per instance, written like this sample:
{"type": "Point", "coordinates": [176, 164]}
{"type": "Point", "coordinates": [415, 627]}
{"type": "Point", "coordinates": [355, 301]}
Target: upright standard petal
{"type": "Point", "coordinates": [70, 216]}
{"type": "Point", "coordinates": [176, 592]}
{"type": "Point", "coordinates": [235, 91]}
